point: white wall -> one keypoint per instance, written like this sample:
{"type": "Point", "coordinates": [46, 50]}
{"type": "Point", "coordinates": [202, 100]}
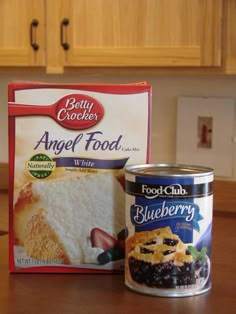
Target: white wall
{"type": "Point", "coordinates": [166, 89]}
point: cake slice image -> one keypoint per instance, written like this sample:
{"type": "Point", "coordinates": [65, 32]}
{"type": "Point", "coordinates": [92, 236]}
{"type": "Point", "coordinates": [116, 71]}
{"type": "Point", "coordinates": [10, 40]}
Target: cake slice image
{"type": "Point", "coordinates": [59, 219]}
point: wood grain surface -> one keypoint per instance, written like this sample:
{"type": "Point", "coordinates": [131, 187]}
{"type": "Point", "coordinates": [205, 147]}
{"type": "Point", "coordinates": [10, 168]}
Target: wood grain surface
{"type": "Point", "coordinates": [96, 293]}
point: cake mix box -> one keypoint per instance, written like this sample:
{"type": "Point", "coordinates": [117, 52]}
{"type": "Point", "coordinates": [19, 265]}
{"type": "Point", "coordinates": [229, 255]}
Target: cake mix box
{"type": "Point", "coordinates": [68, 146]}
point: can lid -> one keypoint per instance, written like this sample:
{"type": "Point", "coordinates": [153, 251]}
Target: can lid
{"type": "Point", "coordinates": [169, 170]}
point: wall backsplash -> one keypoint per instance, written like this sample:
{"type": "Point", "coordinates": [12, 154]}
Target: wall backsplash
{"type": "Point", "coordinates": [165, 90]}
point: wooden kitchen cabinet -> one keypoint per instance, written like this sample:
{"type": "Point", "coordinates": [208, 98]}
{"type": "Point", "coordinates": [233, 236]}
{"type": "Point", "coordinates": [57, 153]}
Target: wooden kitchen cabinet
{"type": "Point", "coordinates": [138, 33]}
{"type": "Point", "coordinates": [22, 36]}
{"type": "Point", "coordinates": [111, 33]}
{"type": "Point", "coordinates": [230, 36]}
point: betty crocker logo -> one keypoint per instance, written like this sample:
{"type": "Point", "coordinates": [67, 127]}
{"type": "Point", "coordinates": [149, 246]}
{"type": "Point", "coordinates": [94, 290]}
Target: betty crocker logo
{"type": "Point", "coordinates": [78, 111]}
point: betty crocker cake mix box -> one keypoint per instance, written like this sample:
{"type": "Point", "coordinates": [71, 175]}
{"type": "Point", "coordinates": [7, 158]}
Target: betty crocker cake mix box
{"type": "Point", "coordinates": [68, 146]}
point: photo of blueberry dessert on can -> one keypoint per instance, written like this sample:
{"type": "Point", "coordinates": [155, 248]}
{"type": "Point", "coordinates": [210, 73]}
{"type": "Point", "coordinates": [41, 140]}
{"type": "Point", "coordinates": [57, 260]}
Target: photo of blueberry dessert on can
{"type": "Point", "coordinates": [159, 259]}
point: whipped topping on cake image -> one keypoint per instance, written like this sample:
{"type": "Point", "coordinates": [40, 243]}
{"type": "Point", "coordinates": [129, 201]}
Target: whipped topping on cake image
{"type": "Point", "coordinates": [70, 219]}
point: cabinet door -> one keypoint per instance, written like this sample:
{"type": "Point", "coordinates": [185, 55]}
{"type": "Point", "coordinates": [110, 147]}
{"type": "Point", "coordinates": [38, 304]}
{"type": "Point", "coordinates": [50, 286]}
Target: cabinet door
{"type": "Point", "coordinates": [22, 29]}
{"type": "Point", "coordinates": [230, 37]}
{"type": "Point", "coordinates": [136, 33]}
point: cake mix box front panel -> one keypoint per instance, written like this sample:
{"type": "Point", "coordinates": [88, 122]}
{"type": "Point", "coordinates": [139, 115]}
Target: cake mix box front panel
{"type": "Point", "coordinates": [68, 146]}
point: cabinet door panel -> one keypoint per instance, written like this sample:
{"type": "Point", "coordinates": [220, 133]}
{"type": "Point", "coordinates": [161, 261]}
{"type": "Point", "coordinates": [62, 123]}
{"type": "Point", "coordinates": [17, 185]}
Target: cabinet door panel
{"type": "Point", "coordinates": [15, 44]}
{"type": "Point", "coordinates": [142, 32]}
{"type": "Point", "coordinates": [230, 37]}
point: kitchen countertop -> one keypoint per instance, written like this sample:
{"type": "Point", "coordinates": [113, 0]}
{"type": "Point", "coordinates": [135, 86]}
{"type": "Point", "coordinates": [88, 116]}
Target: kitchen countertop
{"type": "Point", "coordinates": [97, 293]}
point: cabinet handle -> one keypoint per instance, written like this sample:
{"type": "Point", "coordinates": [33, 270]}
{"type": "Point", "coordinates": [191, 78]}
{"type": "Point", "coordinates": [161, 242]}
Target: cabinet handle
{"type": "Point", "coordinates": [64, 24]}
{"type": "Point", "coordinates": [33, 42]}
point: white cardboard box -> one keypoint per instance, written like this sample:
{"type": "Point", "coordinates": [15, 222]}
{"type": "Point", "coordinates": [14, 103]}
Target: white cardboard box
{"type": "Point", "coordinates": [68, 147]}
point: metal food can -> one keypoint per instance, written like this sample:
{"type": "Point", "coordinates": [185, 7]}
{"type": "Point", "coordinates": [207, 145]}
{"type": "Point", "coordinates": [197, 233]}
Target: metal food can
{"type": "Point", "coordinates": [169, 229]}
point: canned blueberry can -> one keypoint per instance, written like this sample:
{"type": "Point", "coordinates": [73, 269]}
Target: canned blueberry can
{"type": "Point", "coordinates": [169, 229]}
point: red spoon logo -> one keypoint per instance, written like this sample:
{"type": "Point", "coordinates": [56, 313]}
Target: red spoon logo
{"type": "Point", "coordinates": [74, 111]}
{"type": "Point", "coordinates": [78, 111]}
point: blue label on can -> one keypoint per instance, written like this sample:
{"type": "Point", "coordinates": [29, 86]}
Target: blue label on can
{"type": "Point", "coordinates": [165, 202]}
{"type": "Point", "coordinates": [174, 214]}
